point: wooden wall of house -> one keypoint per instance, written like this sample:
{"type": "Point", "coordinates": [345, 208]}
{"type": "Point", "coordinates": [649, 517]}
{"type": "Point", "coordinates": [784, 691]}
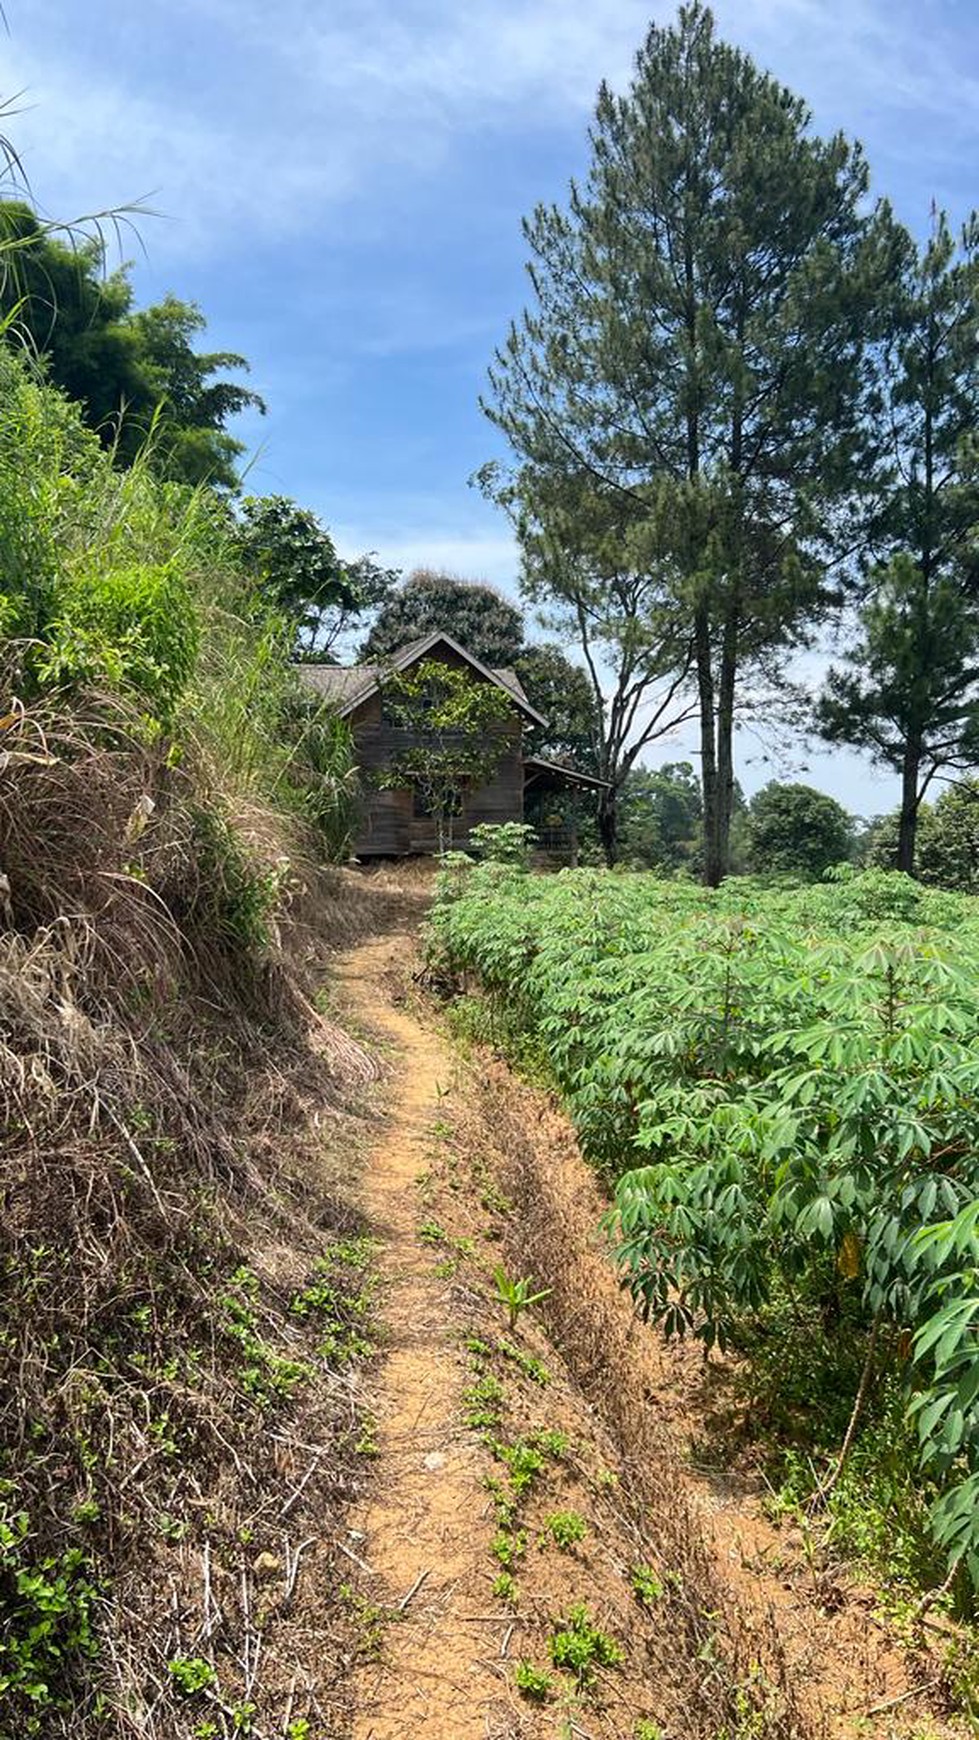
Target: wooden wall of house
{"type": "Point", "coordinates": [390, 827]}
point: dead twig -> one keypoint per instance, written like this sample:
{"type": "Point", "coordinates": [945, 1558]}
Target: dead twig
{"type": "Point", "coordinates": [353, 1557]}
{"type": "Point", "coordinates": [413, 1591]}
{"type": "Point", "coordinates": [902, 1698]}
{"type": "Point", "coordinates": [293, 1496]}
{"type": "Point", "coordinates": [292, 1569]}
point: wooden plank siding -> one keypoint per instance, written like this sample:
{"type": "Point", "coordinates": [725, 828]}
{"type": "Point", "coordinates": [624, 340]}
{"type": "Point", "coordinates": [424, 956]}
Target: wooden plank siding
{"type": "Point", "coordinates": [390, 827]}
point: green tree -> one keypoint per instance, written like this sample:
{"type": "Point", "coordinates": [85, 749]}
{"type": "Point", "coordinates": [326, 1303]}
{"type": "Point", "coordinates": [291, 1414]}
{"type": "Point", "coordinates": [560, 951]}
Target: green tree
{"type": "Point", "coordinates": [136, 375]}
{"type": "Point", "coordinates": [661, 817]}
{"type": "Point", "coordinates": [683, 401]}
{"type": "Point", "coordinates": [189, 403]}
{"type": "Point", "coordinates": [562, 693]}
{"type": "Point", "coordinates": [456, 737]}
{"type": "Point", "coordinates": [636, 663]}
{"type": "Point", "coordinates": [948, 846]}
{"type": "Point", "coordinates": [474, 614]}
{"type": "Point", "coordinates": [294, 562]}
{"type": "Point", "coordinates": [794, 830]}
{"type": "Point", "coordinates": [909, 688]}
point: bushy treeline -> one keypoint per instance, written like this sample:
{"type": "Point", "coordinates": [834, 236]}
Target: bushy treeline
{"type": "Point", "coordinates": [782, 1087]}
{"type": "Point", "coordinates": [119, 581]}
{"type": "Point", "coordinates": [135, 373]}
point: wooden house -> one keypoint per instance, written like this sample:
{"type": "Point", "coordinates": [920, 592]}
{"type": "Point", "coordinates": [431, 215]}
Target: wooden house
{"type": "Point", "coordinates": [394, 820]}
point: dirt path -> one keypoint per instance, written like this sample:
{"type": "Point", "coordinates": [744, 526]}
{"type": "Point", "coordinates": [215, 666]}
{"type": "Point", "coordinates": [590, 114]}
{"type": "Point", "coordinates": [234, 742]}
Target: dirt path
{"type": "Point", "coordinates": [432, 1677]}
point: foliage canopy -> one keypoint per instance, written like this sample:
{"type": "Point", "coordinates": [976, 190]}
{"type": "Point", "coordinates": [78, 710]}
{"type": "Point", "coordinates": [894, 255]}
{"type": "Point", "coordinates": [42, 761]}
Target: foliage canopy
{"type": "Point", "coordinates": [474, 614]}
{"type": "Point", "coordinates": [684, 398]}
{"type": "Point", "coordinates": [135, 373]}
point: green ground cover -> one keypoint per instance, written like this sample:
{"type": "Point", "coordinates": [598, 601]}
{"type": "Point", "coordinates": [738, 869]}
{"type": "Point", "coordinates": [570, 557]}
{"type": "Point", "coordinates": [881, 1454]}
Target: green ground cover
{"type": "Point", "coordinates": [781, 1088]}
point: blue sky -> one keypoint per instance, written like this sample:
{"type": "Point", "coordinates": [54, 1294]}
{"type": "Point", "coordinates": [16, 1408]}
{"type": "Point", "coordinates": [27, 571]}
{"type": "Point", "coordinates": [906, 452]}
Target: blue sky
{"type": "Point", "coordinates": [342, 183]}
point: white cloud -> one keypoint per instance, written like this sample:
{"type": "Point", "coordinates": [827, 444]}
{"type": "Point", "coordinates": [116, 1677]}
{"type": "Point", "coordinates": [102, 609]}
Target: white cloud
{"type": "Point", "coordinates": [471, 555]}
{"type": "Point", "coordinates": [97, 142]}
{"type": "Point", "coordinates": [302, 115]}
{"type": "Point", "coordinates": [293, 112]}
{"type": "Point", "coordinates": [442, 62]}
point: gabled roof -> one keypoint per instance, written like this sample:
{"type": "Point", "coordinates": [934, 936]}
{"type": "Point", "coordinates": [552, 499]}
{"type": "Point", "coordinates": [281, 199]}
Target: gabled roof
{"type": "Point", "coordinates": [347, 688]}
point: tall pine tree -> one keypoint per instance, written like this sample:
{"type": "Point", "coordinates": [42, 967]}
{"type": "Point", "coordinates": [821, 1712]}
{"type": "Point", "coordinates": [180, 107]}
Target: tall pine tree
{"type": "Point", "coordinates": [683, 399]}
{"type": "Point", "coordinates": [909, 689]}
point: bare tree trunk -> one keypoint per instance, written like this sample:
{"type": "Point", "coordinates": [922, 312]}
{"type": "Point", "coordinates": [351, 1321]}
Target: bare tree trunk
{"type": "Point", "coordinates": [608, 826]}
{"type": "Point", "coordinates": [708, 752]}
{"type": "Point", "coordinates": [820, 1497]}
{"type": "Point", "coordinates": [908, 826]}
{"type": "Point", "coordinates": [725, 741]}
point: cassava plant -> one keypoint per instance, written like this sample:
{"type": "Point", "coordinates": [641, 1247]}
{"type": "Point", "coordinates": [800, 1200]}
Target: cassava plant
{"type": "Point", "coordinates": [780, 1086]}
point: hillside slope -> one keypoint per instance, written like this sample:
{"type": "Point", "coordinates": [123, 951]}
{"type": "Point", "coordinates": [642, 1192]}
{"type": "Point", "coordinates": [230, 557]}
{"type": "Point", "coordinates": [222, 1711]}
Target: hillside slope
{"type": "Point", "coordinates": [185, 1290]}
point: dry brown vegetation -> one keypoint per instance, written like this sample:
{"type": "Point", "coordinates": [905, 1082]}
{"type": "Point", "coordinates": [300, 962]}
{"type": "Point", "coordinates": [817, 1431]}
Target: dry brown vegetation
{"type": "Point", "coordinates": [183, 1281]}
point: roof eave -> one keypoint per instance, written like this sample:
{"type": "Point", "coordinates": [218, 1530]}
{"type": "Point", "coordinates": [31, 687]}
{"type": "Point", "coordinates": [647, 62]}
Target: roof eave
{"type": "Point", "coordinates": [539, 764]}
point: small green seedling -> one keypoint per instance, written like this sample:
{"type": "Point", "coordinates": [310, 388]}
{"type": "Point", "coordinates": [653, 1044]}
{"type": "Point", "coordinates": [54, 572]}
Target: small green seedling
{"type": "Point", "coordinates": [531, 1367]}
{"type": "Point", "coordinates": [431, 1233]}
{"type": "Point", "coordinates": [646, 1585]}
{"type": "Point", "coordinates": [525, 1463]}
{"type": "Point", "coordinates": [565, 1528]}
{"type": "Point", "coordinates": [508, 1548]}
{"type": "Point", "coordinates": [579, 1646]}
{"type": "Point", "coordinates": [533, 1683]}
{"type": "Point", "coordinates": [192, 1674]}
{"type": "Point", "coordinates": [505, 1588]}
{"type": "Point", "coordinates": [484, 1402]}
{"type": "Point", "coordinates": [517, 1296]}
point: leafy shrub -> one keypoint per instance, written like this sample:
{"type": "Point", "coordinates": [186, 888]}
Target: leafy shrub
{"type": "Point", "coordinates": [47, 1612]}
{"type": "Point", "coordinates": [43, 451]}
{"type": "Point", "coordinates": [128, 628]}
{"type": "Point", "coordinates": [503, 842]}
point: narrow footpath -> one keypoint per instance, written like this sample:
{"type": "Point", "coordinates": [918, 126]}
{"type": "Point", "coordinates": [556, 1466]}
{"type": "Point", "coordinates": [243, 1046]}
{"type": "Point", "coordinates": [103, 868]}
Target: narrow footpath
{"type": "Point", "coordinates": [422, 1540]}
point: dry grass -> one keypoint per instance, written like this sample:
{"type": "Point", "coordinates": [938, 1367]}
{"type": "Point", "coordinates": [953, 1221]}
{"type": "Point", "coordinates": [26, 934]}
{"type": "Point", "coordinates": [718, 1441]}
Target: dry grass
{"type": "Point", "coordinates": [725, 1664]}
{"type": "Point", "coordinates": [344, 906]}
{"type": "Point", "coordinates": [174, 1445]}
